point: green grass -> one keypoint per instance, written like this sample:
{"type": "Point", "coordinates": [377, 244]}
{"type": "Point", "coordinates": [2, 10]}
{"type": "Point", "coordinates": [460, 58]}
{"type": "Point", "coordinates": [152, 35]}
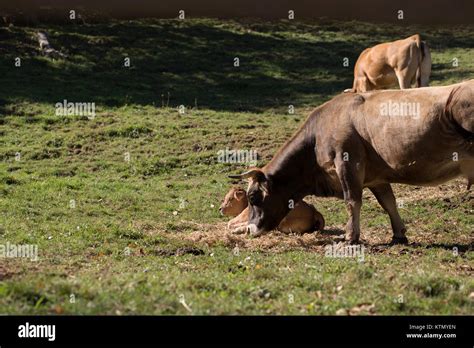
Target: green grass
{"type": "Point", "coordinates": [125, 247]}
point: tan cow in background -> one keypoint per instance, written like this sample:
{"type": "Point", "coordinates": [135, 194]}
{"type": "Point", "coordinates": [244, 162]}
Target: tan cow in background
{"type": "Point", "coordinates": [403, 62]}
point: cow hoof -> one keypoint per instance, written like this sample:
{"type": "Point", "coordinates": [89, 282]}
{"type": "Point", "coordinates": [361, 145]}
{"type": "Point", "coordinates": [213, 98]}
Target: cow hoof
{"type": "Point", "coordinates": [352, 240]}
{"type": "Point", "coordinates": [399, 240]}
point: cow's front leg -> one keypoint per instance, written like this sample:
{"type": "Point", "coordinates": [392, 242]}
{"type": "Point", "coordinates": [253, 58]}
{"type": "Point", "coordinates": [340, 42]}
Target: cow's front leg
{"type": "Point", "coordinates": [238, 225]}
{"type": "Point", "coordinates": [353, 204]}
{"type": "Point", "coordinates": [386, 199]}
{"type": "Point", "coordinates": [240, 229]}
{"type": "Point", "coordinates": [350, 175]}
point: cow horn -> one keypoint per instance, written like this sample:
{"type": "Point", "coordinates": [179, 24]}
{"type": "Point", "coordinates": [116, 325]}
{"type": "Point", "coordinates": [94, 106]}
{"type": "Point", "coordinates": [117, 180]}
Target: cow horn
{"type": "Point", "coordinates": [248, 174]}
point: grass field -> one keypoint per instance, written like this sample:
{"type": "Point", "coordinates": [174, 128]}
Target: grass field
{"type": "Point", "coordinates": [144, 236]}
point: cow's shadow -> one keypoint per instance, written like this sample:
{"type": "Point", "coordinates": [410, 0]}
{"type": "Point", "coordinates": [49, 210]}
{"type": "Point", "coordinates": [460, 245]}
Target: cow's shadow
{"type": "Point", "coordinates": [455, 247]}
{"type": "Point", "coordinates": [461, 248]}
{"type": "Point", "coordinates": [332, 232]}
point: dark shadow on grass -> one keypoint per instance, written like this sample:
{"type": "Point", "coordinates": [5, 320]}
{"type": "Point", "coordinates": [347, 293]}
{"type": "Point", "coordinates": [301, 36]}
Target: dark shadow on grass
{"type": "Point", "coordinates": [461, 248]}
{"type": "Point", "coordinates": [332, 232]}
{"type": "Point", "coordinates": [193, 65]}
{"type": "Point", "coordinates": [174, 63]}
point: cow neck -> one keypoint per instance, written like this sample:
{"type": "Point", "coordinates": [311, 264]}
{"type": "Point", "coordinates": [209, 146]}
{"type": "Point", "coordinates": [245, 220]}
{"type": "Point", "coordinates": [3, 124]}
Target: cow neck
{"type": "Point", "coordinates": [292, 169]}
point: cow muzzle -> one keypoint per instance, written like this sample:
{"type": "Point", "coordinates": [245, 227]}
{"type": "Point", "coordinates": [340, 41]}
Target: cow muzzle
{"type": "Point", "coordinates": [254, 231]}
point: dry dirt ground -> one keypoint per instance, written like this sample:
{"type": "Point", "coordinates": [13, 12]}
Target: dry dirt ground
{"type": "Point", "coordinates": [375, 239]}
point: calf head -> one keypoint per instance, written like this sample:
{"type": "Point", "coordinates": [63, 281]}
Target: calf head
{"type": "Point", "coordinates": [267, 204]}
{"type": "Point", "coordinates": [235, 201]}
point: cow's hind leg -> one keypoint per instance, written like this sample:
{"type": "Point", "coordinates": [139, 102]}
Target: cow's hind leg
{"type": "Point", "coordinates": [425, 66]}
{"type": "Point", "coordinates": [467, 169]}
{"type": "Point", "coordinates": [351, 182]}
{"type": "Point", "coordinates": [385, 197]}
{"type": "Point", "coordinates": [404, 80]}
{"type": "Point", "coordinates": [362, 84]}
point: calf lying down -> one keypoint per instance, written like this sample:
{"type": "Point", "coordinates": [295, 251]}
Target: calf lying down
{"type": "Point", "coordinates": [303, 218]}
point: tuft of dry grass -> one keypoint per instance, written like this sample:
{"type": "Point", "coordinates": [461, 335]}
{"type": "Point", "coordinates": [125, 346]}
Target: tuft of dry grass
{"type": "Point", "coordinates": [274, 241]}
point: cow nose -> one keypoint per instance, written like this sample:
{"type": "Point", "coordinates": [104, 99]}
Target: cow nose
{"type": "Point", "coordinates": [221, 211]}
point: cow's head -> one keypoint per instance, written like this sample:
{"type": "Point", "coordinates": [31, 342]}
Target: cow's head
{"type": "Point", "coordinates": [235, 201]}
{"type": "Point", "coordinates": [268, 205]}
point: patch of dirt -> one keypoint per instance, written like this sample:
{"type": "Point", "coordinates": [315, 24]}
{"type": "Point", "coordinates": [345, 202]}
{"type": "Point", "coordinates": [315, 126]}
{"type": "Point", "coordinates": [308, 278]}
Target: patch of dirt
{"type": "Point", "coordinates": [376, 240]}
{"type": "Point", "coordinates": [212, 235]}
{"type": "Point", "coordinates": [6, 272]}
{"type": "Point", "coordinates": [179, 252]}
{"type": "Point", "coordinates": [361, 309]}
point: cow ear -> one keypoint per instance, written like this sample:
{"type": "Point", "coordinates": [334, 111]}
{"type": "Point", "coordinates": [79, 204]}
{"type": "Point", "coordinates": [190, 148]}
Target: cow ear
{"type": "Point", "coordinates": [253, 173]}
{"type": "Point", "coordinates": [239, 194]}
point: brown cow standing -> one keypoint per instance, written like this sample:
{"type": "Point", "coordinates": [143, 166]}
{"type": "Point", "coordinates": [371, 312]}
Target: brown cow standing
{"type": "Point", "coordinates": [421, 136]}
{"type": "Point", "coordinates": [402, 62]}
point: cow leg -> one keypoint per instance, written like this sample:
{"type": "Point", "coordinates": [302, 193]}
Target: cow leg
{"type": "Point", "coordinates": [362, 84]}
{"type": "Point", "coordinates": [403, 80]}
{"type": "Point", "coordinates": [353, 200]}
{"type": "Point", "coordinates": [238, 225]}
{"type": "Point", "coordinates": [386, 199]}
{"type": "Point", "coordinates": [425, 66]}
{"type": "Point", "coordinates": [352, 189]}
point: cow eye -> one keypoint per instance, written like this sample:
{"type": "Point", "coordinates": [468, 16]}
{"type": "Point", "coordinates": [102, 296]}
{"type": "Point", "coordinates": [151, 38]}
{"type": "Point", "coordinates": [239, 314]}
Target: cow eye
{"type": "Point", "coordinates": [255, 198]}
